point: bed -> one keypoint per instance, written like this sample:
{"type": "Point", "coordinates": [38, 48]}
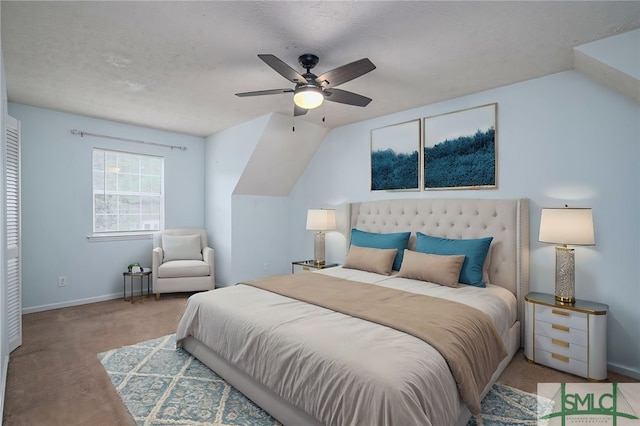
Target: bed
{"type": "Point", "coordinates": [307, 364]}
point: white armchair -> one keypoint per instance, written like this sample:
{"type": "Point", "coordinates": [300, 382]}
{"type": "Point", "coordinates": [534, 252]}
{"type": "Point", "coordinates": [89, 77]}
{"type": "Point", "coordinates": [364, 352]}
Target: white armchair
{"type": "Point", "coordinates": [181, 261]}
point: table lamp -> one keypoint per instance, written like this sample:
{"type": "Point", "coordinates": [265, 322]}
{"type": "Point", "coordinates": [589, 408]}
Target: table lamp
{"type": "Point", "coordinates": [320, 220]}
{"type": "Point", "coordinates": [564, 226]}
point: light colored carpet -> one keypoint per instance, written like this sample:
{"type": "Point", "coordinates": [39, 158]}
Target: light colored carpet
{"type": "Point", "coordinates": [161, 385]}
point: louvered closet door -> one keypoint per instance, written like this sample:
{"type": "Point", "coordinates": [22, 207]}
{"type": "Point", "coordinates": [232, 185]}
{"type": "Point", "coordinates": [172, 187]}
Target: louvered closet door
{"type": "Point", "coordinates": [13, 233]}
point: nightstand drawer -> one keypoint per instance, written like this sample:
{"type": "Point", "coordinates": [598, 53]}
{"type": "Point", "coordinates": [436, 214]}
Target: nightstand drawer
{"type": "Point", "coordinates": [298, 268]}
{"type": "Point", "coordinates": [564, 317]}
{"type": "Point", "coordinates": [562, 347]}
{"type": "Point", "coordinates": [561, 332]}
{"type": "Point", "coordinates": [561, 362]}
{"type": "Point", "coordinates": [571, 338]}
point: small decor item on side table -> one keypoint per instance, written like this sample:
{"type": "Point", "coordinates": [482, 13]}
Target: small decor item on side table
{"type": "Point", "coordinates": [309, 265]}
{"type": "Point", "coordinates": [566, 226]}
{"type": "Point", "coordinates": [135, 268]}
{"type": "Point", "coordinates": [320, 220]}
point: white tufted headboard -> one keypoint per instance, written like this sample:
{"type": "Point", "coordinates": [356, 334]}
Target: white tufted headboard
{"type": "Point", "coordinates": [507, 221]}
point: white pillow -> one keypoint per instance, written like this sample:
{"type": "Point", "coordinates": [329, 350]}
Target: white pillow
{"type": "Point", "coordinates": [181, 247]}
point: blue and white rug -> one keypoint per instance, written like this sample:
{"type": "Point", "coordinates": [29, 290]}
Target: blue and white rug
{"type": "Point", "coordinates": [162, 385]}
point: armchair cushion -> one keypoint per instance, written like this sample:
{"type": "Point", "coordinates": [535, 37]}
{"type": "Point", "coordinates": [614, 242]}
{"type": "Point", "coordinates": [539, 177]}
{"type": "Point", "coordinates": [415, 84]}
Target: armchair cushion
{"type": "Point", "coordinates": [183, 268]}
{"type": "Point", "coordinates": [181, 247]}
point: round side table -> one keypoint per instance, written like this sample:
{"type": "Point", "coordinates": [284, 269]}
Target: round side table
{"type": "Point", "coordinates": [146, 272]}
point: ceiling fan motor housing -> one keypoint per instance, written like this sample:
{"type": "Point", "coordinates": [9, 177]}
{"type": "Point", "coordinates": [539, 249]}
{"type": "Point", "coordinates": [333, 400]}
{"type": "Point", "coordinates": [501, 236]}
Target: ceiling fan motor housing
{"type": "Point", "coordinates": [308, 61]}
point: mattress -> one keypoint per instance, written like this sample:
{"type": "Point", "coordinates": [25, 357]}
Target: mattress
{"type": "Point", "coordinates": [339, 369]}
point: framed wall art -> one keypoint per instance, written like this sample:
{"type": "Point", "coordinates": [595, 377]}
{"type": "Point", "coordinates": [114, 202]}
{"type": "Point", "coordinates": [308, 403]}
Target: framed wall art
{"type": "Point", "coordinates": [395, 159]}
{"type": "Point", "coordinates": [460, 149]}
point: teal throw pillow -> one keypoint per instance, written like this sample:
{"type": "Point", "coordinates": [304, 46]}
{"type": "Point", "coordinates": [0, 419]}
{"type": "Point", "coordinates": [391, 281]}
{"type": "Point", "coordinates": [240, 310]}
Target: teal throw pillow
{"type": "Point", "coordinates": [474, 250]}
{"type": "Point", "coordinates": [398, 240]}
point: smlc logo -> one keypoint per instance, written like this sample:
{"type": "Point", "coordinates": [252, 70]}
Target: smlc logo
{"type": "Point", "coordinates": [589, 404]}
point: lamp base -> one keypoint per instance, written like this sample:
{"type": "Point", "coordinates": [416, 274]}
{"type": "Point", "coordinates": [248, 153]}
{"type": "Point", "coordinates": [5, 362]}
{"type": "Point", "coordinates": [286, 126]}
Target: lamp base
{"type": "Point", "coordinates": [318, 249]}
{"type": "Point", "coordinates": [565, 275]}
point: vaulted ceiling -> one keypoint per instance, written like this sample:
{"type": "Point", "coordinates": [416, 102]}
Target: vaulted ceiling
{"type": "Point", "coordinates": [177, 65]}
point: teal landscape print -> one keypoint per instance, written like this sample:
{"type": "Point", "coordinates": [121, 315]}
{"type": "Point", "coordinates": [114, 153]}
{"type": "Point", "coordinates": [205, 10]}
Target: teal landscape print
{"type": "Point", "coordinates": [460, 149]}
{"type": "Point", "coordinates": [395, 159]}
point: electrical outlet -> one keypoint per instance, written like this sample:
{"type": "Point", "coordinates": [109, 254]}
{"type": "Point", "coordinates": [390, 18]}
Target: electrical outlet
{"type": "Point", "coordinates": [62, 281]}
{"type": "Point", "coordinates": [265, 267]}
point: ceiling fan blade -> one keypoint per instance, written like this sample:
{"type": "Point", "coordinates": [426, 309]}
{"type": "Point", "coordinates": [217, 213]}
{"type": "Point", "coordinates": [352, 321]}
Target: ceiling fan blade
{"type": "Point", "coordinates": [283, 69]}
{"type": "Point", "coordinates": [298, 111]}
{"type": "Point", "coordinates": [264, 92]}
{"type": "Point", "coordinates": [345, 97]}
{"type": "Point", "coordinates": [345, 73]}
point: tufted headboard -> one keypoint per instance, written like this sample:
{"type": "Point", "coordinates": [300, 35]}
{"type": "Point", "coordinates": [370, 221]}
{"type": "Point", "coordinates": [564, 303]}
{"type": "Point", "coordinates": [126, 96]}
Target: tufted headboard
{"type": "Point", "coordinates": [507, 221]}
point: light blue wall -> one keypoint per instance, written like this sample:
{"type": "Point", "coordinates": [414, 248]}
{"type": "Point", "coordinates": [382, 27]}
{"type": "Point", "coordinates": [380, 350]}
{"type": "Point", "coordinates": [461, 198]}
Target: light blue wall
{"type": "Point", "coordinates": [561, 139]}
{"type": "Point", "coordinates": [57, 204]}
{"type": "Point", "coordinates": [226, 156]}
{"type": "Point", "coordinates": [249, 170]}
{"type": "Point", "coordinates": [260, 228]}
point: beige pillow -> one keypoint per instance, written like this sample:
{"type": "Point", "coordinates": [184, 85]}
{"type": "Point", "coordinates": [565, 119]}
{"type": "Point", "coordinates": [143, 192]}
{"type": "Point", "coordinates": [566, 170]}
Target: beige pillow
{"type": "Point", "coordinates": [370, 259]}
{"type": "Point", "coordinates": [181, 247]}
{"type": "Point", "coordinates": [435, 268]}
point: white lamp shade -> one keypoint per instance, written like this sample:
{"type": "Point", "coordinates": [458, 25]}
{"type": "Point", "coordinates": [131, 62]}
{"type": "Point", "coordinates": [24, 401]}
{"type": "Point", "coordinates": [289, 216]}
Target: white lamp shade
{"type": "Point", "coordinates": [321, 219]}
{"type": "Point", "coordinates": [308, 97]}
{"type": "Point", "coordinates": [572, 226]}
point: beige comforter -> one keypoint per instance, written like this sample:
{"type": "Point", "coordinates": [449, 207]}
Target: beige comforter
{"type": "Point", "coordinates": [339, 369]}
{"type": "Point", "coordinates": [454, 329]}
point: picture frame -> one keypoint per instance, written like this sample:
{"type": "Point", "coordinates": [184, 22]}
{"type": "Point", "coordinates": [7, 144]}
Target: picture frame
{"type": "Point", "coordinates": [395, 157]}
{"type": "Point", "coordinates": [460, 149]}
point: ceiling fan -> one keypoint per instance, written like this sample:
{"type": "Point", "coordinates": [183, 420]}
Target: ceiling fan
{"type": "Point", "coordinates": [311, 90]}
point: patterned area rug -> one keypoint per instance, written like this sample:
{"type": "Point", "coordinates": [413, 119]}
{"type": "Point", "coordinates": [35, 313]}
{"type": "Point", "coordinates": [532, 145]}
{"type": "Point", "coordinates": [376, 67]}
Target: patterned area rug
{"type": "Point", "coordinates": [162, 385]}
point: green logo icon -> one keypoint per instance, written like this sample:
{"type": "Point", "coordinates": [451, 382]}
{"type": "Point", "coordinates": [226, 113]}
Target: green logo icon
{"type": "Point", "coordinates": [587, 404]}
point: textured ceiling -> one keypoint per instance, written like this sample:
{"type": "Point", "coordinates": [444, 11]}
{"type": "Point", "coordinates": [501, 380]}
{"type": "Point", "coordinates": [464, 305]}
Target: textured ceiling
{"type": "Point", "coordinates": [177, 65]}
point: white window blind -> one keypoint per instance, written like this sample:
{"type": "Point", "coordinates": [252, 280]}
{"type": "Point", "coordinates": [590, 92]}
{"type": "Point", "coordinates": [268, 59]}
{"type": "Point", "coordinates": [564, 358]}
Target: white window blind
{"type": "Point", "coordinates": [128, 192]}
{"type": "Point", "coordinates": [13, 232]}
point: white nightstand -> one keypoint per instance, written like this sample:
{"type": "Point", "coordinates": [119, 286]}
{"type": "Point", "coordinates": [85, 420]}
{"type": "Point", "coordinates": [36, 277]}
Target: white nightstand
{"type": "Point", "coordinates": [308, 265]}
{"type": "Point", "coordinates": [571, 338]}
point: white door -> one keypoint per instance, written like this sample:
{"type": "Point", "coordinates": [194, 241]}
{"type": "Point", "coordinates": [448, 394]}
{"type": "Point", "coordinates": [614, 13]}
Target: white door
{"type": "Point", "coordinates": [13, 232]}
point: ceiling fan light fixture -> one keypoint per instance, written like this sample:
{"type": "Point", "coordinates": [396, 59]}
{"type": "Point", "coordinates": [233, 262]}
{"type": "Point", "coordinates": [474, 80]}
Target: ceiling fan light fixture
{"type": "Point", "coordinates": [308, 97]}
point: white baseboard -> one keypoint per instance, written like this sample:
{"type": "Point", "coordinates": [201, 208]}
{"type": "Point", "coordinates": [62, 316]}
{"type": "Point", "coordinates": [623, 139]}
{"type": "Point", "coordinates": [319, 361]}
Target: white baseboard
{"type": "Point", "coordinates": [630, 372]}
{"type": "Point", "coordinates": [68, 303]}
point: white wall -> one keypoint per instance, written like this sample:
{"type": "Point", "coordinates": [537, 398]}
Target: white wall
{"type": "Point", "coordinates": [619, 51]}
{"type": "Point", "coordinates": [561, 139]}
{"type": "Point", "coordinates": [57, 204]}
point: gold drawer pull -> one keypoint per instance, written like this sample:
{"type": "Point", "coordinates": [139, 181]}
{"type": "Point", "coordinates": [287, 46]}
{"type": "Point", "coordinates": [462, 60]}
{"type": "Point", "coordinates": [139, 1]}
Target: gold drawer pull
{"type": "Point", "coordinates": [560, 357]}
{"type": "Point", "coordinates": [559, 327]}
{"type": "Point", "coordinates": [560, 343]}
{"type": "Point", "coordinates": [558, 312]}
{"type": "Point", "coordinates": [305, 268]}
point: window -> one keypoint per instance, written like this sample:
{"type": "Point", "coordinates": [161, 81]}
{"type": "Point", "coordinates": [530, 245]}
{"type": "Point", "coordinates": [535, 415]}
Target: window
{"type": "Point", "coordinates": [127, 192]}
